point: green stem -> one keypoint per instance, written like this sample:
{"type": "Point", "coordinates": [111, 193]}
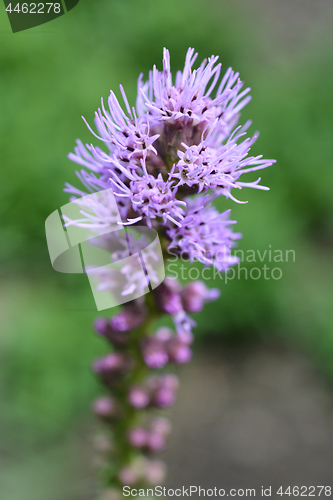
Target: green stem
{"type": "Point", "coordinates": [123, 452]}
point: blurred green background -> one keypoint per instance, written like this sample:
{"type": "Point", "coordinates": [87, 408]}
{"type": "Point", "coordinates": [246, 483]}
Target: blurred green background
{"type": "Point", "coordinates": [53, 74]}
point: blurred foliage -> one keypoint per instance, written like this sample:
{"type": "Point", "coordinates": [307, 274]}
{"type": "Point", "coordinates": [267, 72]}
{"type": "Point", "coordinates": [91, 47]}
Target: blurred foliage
{"type": "Point", "coordinates": [55, 73]}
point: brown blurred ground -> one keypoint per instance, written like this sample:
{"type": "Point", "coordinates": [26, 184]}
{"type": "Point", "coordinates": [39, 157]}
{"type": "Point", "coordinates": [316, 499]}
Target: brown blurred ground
{"type": "Point", "coordinates": [246, 419]}
{"type": "Point", "coordinates": [287, 23]}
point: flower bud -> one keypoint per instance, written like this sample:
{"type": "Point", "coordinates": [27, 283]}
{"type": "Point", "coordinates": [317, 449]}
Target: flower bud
{"type": "Point", "coordinates": [155, 471]}
{"type": "Point", "coordinates": [154, 353]}
{"type": "Point", "coordinates": [101, 325]}
{"type": "Point", "coordinates": [178, 351]}
{"type": "Point", "coordinates": [173, 284]}
{"type": "Point", "coordinates": [133, 473]}
{"type": "Point", "coordinates": [155, 441]}
{"type": "Point", "coordinates": [164, 397]}
{"type": "Point", "coordinates": [196, 294]}
{"type": "Point", "coordinates": [167, 299]}
{"type": "Point", "coordinates": [106, 408]}
{"type": "Point", "coordinates": [163, 390]}
{"type": "Point", "coordinates": [138, 437]}
{"type": "Point", "coordinates": [117, 338]}
{"type": "Point", "coordinates": [138, 397]}
{"type": "Point", "coordinates": [109, 368]}
{"type": "Point", "coordinates": [168, 380]}
{"type": "Point", "coordinates": [132, 316]}
{"type": "Point", "coordinates": [128, 476]}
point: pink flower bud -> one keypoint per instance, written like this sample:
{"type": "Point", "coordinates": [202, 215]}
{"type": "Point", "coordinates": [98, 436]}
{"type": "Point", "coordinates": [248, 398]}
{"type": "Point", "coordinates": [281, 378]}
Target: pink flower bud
{"type": "Point", "coordinates": [163, 390]}
{"type": "Point", "coordinates": [154, 353]}
{"type": "Point", "coordinates": [173, 284]}
{"type": "Point", "coordinates": [128, 476]}
{"type": "Point", "coordinates": [111, 367]}
{"type": "Point", "coordinates": [155, 471]}
{"type": "Point", "coordinates": [178, 351]}
{"type": "Point", "coordinates": [167, 299]}
{"type": "Point", "coordinates": [164, 397]}
{"type": "Point", "coordinates": [138, 397]}
{"type": "Point", "coordinates": [196, 294]}
{"type": "Point", "coordinates": [138, 437]}
{"type": "Point", "coordinates": [132, 316]}
{"type": "Point", "coordinates": [105, 407]}
{"type": "Point", "coordinates": [103, 327]}
{"type": "Point", "coordinates": [155, 441]}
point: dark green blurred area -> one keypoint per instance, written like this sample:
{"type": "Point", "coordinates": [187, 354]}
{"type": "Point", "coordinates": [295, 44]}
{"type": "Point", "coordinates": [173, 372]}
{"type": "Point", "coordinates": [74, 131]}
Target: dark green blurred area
{"type": "Point", "coordinates": [55, 73]}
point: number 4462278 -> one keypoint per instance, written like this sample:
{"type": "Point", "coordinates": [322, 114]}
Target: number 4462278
{"type": "Point", "coordinates": [305, 491]}
{"type": "Point", "coordinates": [33, 8]}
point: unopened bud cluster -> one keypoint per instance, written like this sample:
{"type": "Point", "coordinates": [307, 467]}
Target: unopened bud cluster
{"type": "Point", "coordinates": [136, 374]}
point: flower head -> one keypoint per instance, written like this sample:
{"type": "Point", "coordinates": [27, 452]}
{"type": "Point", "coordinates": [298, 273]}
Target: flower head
{"type": "Point", "coordinates": [181, 139]}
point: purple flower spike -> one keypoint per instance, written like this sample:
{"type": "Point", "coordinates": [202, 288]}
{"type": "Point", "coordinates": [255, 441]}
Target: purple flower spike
{"type": "Point", "coordinates": [159, 165]}
{"type": "Point", "coordinates": [138, 397]}
{"type": "Point", "coordinates": [181, 139]}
